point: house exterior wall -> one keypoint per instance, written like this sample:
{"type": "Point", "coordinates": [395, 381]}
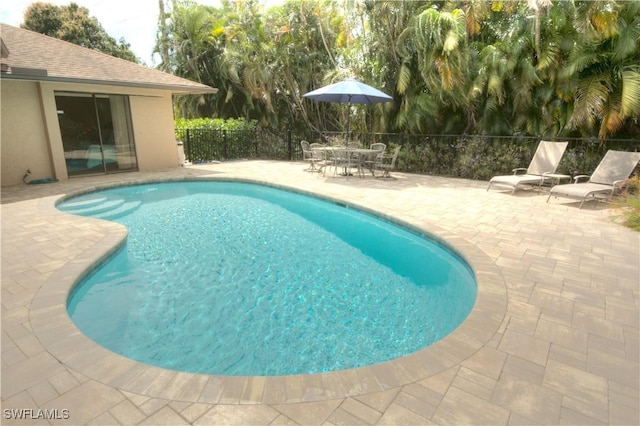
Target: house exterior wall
{"type": "Point", "coordinates": [23, 138]}
{"type": "Point", "coordinates": [153, 125]}
{"type": "Point", "coordinates": [30, 132]}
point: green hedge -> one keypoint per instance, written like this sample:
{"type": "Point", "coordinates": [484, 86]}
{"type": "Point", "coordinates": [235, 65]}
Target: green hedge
{"type": "Point", "coordinates": [237, 124]}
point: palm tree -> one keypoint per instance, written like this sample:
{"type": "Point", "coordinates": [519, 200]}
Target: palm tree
{"type": "Point", "coordinates": [604, 67]}
{"type": "Point", "coordinates": [184, 43]}
{"type": "Point", "coordinates": [304, 54]}
{"type": "Point", "coordinates": [538, 6]}
{"type": "Point", "coordinates": [435, 59]}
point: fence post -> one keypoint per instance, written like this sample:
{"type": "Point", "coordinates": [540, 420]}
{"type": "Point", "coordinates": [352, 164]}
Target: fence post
{"type": "Point", "coordinates": [257, 141]}
{"type": "Point", "coordinates": [188, 146]}
{"type": "Point", "coordinates": [225, 151]}
{"type": "Point", "coordinates": [289, 146]}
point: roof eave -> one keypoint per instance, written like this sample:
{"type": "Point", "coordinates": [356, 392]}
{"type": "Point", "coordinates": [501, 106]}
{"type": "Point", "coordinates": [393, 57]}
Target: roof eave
{"type": "Point", "coordinates": [174, 89]}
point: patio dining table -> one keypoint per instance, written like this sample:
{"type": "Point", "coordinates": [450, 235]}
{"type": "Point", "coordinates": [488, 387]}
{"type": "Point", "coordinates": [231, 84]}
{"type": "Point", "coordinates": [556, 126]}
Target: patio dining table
{"type": "Point", "coordinates": [363, 154]}
{"type": "Point", "coordinates": [357, 155]}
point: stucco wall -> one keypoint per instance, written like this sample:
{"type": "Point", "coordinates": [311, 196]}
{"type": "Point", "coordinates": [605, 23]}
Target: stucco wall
{"type": "Point", "coordinates": [23, 136]}
{"type": "Point", "coordinates": [153, 132]}
{"type": "Point", "coordinates": [31, 134]}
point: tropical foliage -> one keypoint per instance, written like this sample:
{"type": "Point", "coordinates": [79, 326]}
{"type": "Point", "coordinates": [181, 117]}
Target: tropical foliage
{"type": "Point", "coordinates": [72, 23]}
{"type": "Point", "coordinates": [518, 67]}
{"type": "Point", "coordinates": [238, 124]}
{"type": "Point", "coordinates": [628, 212]}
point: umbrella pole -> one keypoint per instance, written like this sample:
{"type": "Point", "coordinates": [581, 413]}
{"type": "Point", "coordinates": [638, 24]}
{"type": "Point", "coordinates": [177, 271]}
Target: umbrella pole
{"type": "Point", "coordinates": [348, 120]}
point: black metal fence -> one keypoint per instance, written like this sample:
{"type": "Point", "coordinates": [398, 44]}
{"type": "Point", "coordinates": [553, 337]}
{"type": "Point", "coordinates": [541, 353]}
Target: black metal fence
{"type": "Point", "coordinates": [467, 156]}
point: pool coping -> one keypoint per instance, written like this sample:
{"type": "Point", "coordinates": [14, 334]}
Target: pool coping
{"type": "Point", "coordinates": [57, 333]}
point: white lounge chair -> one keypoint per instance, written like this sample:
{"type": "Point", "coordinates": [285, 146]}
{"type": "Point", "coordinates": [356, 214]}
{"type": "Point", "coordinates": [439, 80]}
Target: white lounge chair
{"type": "Point", "coordinates": [544, 162]}
{"type": "Point", "coordinates": [610, 176]}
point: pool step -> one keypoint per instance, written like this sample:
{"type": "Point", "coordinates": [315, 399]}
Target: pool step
{"type": "Point", "coordinates": [123, 209]}
{"type": "Point", "coordinates": [97, 208]}
{"type": "Point", "coordinates": [85, 202]}
{"type": "Point", "coordinates": [101, 207]}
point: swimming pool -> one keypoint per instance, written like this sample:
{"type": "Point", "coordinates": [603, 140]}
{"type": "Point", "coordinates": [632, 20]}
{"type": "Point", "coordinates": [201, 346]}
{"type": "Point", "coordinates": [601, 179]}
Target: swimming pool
{"type": "Point", "coordinates": [277, 283]}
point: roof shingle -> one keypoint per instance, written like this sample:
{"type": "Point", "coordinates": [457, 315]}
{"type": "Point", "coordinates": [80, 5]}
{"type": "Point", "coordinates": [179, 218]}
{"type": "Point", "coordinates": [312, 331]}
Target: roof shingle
{"type": "Point", "coordinates": [34, 56]}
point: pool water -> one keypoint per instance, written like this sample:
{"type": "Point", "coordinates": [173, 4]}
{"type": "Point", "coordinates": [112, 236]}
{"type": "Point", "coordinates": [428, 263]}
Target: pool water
{"type": "Point", "coordinates": [232, 278]}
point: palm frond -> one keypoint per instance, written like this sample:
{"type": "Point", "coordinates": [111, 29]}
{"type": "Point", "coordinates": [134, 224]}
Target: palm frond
{"type": "Point", "coordinates": [630, 103]}
{"type": "Point", "coordinates": [404, 78]}
{"type": "Point", "coordinates": [611, 119]}
{"type": "Point", "coordinates": [591, 96]}
{"type": "Point", "coordinates": [627, 41]}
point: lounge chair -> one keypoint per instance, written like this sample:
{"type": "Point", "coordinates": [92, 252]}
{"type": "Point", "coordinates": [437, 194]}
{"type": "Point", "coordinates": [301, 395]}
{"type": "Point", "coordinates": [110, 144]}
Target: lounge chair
{"type": "Point", "coordinates": [544, 162]}
{"type": "Point", "coordinates": [610, 176]}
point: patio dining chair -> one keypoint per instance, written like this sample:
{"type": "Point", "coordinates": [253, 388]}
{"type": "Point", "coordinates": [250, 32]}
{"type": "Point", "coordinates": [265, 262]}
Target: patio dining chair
{"type": "Point", "coordinates": [321, 157]}
{"type": "Point", "coordinates": [345, 160]}
{"type": "Point", "coordinates": [610, 176]}
{"type": "Point", "coordinates": [378, 146]}
{"type": "Point", "coordinates": [544, 162]}
{"type": "Point", "coordinates": [370, 161]}
{"type": "Point", "coordinates": [387, 163]}
{"type": "Point", "coordinates": [307, 155]}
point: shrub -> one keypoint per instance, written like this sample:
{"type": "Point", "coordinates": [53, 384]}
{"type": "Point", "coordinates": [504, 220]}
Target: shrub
{"type": "Point", "coordinates": [207, 139]}
{"type": "Point", "coordinates": [182, 124]}
{"type": "Point", "coordinates": [628, 212]}
{"type": "Point", "coordinates": [481, 159]}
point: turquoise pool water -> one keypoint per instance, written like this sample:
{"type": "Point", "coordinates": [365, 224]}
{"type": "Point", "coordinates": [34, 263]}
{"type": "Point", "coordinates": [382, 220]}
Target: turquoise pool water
{"type": "Point", "coordinates": [233, 278]}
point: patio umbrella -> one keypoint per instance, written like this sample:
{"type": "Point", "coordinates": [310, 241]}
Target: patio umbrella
{"type": "Point", "coordinates": [349, 91]}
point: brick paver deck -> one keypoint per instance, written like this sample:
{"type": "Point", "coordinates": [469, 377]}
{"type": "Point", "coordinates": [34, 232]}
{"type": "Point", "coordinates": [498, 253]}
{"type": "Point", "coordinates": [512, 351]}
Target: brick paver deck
{"type": "Point", "coordinates": [553, 338]}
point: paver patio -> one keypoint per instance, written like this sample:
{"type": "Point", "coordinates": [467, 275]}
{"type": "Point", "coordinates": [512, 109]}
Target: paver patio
{"type": "Point", "coordinates": [554, 337]}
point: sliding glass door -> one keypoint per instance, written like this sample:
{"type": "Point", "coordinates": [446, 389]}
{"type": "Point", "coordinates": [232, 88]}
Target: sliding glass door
{"type": "Point", "coordinates": [97, 135]}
